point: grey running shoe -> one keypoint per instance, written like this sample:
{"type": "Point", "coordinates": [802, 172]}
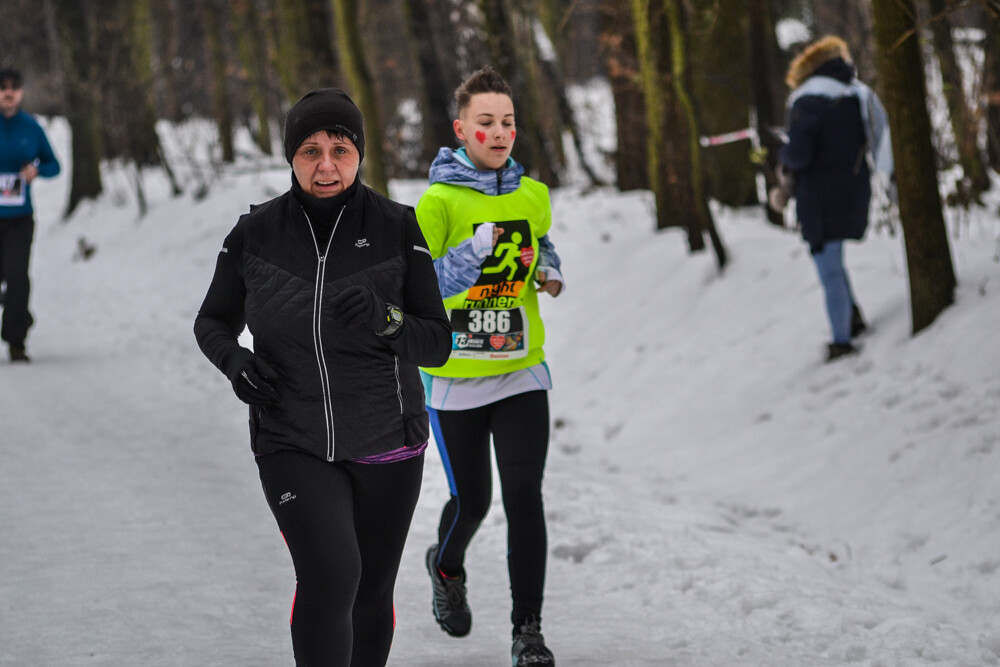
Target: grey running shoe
{"type": "Point", "coordinates": [529, 647]}
{"type": "Point", "coordinates": [450, 604]}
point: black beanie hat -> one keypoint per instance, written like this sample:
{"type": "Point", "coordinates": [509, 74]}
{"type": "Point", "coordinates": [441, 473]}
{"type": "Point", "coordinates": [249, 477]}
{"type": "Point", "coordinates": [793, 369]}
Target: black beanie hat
{"type": "Point", "coordinates": [324, 109]}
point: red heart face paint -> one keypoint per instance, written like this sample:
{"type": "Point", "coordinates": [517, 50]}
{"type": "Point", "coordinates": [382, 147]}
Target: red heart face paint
{"type": "Point", "coordinates": [480, 136]}
{"type": "Point", "coordinates": [513, 133]}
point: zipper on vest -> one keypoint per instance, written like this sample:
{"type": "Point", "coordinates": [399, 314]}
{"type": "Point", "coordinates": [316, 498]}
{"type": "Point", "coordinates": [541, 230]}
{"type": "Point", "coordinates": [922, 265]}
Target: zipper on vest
{"type": "Point", "coordinates": [324, 375]}
{"type": "Point", "coordinates": [399, 385]}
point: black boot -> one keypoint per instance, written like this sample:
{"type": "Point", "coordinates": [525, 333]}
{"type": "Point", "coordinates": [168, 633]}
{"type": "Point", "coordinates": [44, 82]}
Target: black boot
{"type": "Point", "coordinates": [837, 350]}
{"type": "Point", "coordinates": [858, 325]}
{"type": "Point", "coordinates": [18, 355]}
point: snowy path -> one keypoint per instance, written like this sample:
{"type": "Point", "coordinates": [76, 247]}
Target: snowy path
{"type": "Point", "coordinates": [708, 504]}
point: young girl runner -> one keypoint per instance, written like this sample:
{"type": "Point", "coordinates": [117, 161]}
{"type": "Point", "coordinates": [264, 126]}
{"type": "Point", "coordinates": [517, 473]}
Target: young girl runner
{"type": "Point", "coordinates": [486, 225]}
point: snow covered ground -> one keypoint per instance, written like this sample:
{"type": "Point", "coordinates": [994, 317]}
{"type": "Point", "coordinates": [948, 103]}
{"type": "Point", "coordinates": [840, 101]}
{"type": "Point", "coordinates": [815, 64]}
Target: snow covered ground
{"type": "Point", "coordinates": [716, 495]}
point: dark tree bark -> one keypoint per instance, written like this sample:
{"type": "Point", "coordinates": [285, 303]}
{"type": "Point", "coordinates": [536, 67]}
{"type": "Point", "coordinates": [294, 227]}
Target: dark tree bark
{"type": "Point", "coordinates": [434, 89]}
{"type": "Point", "coordinates": [253, 68]}
{"type": "Point", "coordinates": [212, 16]}
{"type": "Point", "coordinates": [963, 123]}
{"type": "Point", "coordinates": [673, 152]}
{"type": "Point", "coordinates": [352, 58]}
{"type": "Point", "coordinates": [765, 72]}
{"type": "Point", "coordinates": [304, 54]}
{"type": "Point", "coordinates": [618, 44]}
{"type": "Point", "coordinates": [720, 82]}
{"type": "Point", "coordinates": [991, 88]}
{"type": "Point", "coordinates": [78, 35]}
{"type": "Point", "coordinates": [688, 128]}
{"type": "Point", "coordinates": [928, 256]}
{"type": "Point", "coordinates": [511, 45]}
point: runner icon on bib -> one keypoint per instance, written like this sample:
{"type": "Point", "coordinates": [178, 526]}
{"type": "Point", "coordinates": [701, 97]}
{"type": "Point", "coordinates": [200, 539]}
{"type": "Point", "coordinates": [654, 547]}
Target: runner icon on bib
{"type": "Point", "coordinates": [492, 323]}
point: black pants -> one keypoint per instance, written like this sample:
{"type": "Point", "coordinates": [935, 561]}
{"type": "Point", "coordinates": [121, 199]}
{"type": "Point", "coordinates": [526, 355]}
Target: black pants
{"type": "Point", "coordinates": [345, 525]}
{"type": "Point", "coordinates": [520, 429]}
{"type": "Point", "coordinates": [16, 235]}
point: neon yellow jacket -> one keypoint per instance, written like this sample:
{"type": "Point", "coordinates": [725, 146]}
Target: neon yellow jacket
{"type": "Point", "coordinates": [496, 324]}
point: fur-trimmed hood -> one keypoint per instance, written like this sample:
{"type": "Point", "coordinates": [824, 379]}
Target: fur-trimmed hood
{"type": "Point", "coordinates": [815, 55]}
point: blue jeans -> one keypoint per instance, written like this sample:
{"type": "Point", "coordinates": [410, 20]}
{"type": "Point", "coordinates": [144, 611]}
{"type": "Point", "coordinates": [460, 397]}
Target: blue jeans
{"type": "Point", "coordinates": [837, 287]}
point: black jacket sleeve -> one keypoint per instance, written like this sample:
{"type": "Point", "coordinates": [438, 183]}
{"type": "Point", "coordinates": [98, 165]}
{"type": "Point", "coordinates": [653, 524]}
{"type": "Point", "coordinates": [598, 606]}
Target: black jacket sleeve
{"type": "Point", "coordinates": [221, 318]}
{"type": "Point", "coordinates": [425, 337]}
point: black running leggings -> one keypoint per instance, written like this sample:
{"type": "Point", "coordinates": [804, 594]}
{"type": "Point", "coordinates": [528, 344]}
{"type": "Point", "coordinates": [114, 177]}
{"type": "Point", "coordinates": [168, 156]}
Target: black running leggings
{"type": "Point", "coordinates": [520, 428]}
{"type": "Point", "coordinates": [345, 525]}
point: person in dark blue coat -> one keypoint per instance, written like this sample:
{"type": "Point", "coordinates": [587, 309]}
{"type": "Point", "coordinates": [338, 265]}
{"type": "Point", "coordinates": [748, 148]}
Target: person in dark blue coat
{"type": "Point", "coordinates": [837, 131]}
{"type": "Point", "coordinates": [25, 154]}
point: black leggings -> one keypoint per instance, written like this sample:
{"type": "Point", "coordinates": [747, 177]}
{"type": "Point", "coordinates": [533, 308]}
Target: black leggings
{"type": "Point", "coordinates": [345, 525]}
{"type": "Point", "coordinates": [16, 235]}
{"type": "Point", "coordinates": [520, 428]}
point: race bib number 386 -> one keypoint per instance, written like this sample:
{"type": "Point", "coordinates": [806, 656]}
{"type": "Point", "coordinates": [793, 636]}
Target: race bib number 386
{"type": "Point", "coordinates": [489, 334]}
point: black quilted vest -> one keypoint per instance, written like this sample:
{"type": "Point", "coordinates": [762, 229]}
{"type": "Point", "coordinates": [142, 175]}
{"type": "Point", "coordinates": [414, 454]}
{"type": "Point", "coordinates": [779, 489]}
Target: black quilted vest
{"type": "Point", "coordinates": [344, 394]}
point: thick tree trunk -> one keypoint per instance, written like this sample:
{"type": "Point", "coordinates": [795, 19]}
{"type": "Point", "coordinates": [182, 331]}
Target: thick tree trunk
{"type": "Point", "coordinates": [689, 126]}
{"type": "Point", "coordinates": [356, 70]}
{"type": "Point", "coordinates": [304, 54]}
{"type": "Point", "coordinates": [765, 71]}
{"type": "Point", "coordinates": [166, 42]}
{"type": "Point", "coordinates": [963, 123]}
{"type": "Point", "coordinates": [928, 256]}
{"type": "Point", "coordinates": [619, 46]}
{"type": "Point", "coordinates": [211, 16]}
{"type": "Point", "coordinates": [511, 45]}
{"type": "Point", "coordinates": [720, 78]}
{"type": "Point", "coordinates": [82, 90]}
{"type": "Point", "coordinates": [647, 57]}
{"type": "Point", "coordinates": [433, 89]}
{"type": "Point", "coordinates": [253, 61]}
{"type": "Point", "coordinates": [991, 86]}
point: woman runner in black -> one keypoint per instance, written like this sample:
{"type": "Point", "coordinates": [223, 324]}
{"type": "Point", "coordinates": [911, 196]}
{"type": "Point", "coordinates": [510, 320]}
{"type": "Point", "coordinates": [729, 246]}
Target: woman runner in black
{"type": "Point", "coordinates": [337, 287]}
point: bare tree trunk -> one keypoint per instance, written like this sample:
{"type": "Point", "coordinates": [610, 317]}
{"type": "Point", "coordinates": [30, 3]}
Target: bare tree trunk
{"type": "Point", "coordinates": [720, 65]}
{"type": "Point", "coordinates": [363, 89]}
{"type": "Point", "coordinates": [656, 111]}
{"type": "Point", "coordinates": [165, 18]}
{"type": "Point", "coordinates": [963, 123]}
{"type": "Point", "coordinates": [689, 126]}
{"type": "Point", "coordinates": [511, 45]}
{"type": "Point", "coordinates": [619, 46]}
{"type": "Point", "coordinates": [434, 100]}
{"type": "Point", "coordinates": [211, 13]}
{"type": "Point", "coordinates": [304, 55]}
{"type": "Point", "coordinates": [769, 110]}
{"type": "Point", "coordinates": [253, 59]}
{"type": "Point", "coordinates": [991, 86]}
{"type": "Point", "coordinates": [928, 256]}
{"type": "Point", "coordinates": [77, 34]}
{"type": "Point", "coordinates": [546, 118]}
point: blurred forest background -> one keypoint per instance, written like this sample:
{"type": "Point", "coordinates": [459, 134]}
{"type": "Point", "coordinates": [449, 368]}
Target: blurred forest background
{"type": "Point", "coordinates": [679, 71]}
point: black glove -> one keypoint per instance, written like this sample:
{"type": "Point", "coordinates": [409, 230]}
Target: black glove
{"type": "Point", "coordinates": [249, 375]}
{"type": "Point", "coordinates": [816, 248]}
{"type": "Point", "coordinates": [358, 307]}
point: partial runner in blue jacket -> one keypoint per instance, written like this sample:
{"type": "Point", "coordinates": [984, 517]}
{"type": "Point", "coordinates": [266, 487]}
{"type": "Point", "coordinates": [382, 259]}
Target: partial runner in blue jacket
{"type": "Point", "coordinates": [837, 134]}
{"type": "Point", "coordinates": [25, 153]}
